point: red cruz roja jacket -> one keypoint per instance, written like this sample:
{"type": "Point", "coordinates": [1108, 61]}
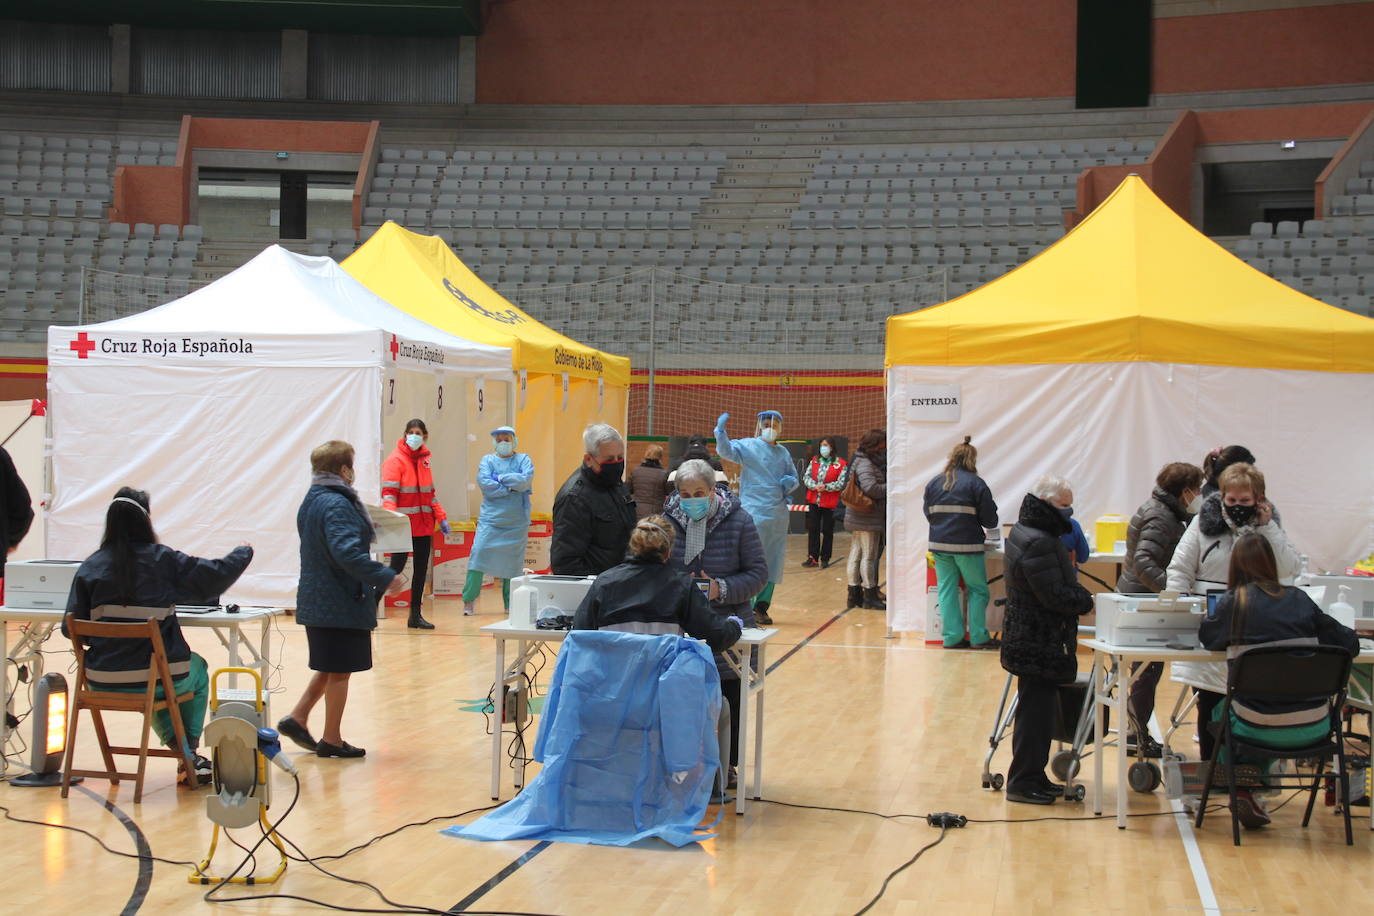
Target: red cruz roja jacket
{"type": "Point", "coordinates": [408, 488]}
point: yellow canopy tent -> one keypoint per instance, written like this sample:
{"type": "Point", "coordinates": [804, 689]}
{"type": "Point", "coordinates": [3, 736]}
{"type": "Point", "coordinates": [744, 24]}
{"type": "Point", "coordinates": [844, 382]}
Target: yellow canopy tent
{"type": "Point", "coordinates": [562, 385]}
{"type": "Point", "coordinates": [1133, 341]}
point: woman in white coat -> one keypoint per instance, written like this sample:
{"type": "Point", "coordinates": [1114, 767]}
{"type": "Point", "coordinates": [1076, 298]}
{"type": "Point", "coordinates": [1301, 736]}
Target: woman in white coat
{"type": "Point", "coordinates": [1202, 560]}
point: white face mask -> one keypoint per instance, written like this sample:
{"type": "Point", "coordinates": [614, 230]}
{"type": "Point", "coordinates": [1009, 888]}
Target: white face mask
{"type": "Point", "coordinates": [769, 435]}
{"type": "Point", "coordinates": [1195, 505]}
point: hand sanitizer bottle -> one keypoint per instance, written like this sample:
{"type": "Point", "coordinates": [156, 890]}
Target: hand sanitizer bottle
{"type": "Point", "coordinates": [1304, 576]}
{"type": "Point", "coordinates": [1342, 609]}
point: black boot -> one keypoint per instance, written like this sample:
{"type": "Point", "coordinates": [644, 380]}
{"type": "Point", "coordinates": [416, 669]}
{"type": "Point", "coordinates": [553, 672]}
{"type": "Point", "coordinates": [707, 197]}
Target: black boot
{"type": "Point", "coordinates": [873, 601]}
{"type": "Point", "coordinates": [856, 597]}
{"type": "Point", "coordinates": [416, 622]}
{"type": "Point", "coordinates": [761, 613]}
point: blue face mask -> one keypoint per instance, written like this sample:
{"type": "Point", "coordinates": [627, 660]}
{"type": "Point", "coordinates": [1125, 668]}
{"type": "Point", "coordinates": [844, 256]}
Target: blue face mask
{"type": "Point", "coordinates": [414, 440]}
{"type": "Point", "coordinates": [1067, 512]}
{"type": "Point", "coordinates": [696, 507]}
{"type": "Point", "coordinates": [825, 451]}
{"type": "Point", "coordinates": [505, 449]}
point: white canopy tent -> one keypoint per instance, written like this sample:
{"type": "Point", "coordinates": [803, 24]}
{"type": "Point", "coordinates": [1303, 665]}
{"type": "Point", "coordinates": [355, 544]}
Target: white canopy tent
{"type": "Point", "coordinates": [213, 402]}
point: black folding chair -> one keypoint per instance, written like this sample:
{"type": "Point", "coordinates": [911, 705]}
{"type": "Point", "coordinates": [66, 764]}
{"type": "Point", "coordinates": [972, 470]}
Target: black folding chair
{"type": "Point", "coordinates": [1286, 673]}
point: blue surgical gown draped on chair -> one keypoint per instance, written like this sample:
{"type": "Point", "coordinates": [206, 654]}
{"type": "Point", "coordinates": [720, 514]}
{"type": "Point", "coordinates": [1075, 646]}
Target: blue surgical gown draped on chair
{"type": "Point", "coordinates": [628, 745]}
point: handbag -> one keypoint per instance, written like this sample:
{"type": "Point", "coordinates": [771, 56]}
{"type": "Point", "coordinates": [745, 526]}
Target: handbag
{"type": "Point", "coordinates": [854, 497]}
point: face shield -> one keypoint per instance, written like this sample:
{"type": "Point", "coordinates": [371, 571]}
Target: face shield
{"type": "Point", "coordinates": [769, 426]}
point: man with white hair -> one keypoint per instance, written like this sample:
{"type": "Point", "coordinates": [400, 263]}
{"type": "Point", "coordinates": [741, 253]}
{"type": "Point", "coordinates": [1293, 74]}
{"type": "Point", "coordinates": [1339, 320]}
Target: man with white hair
{"type": "Point", "coordinates": [593, 513]}
{"type": "Point", "coordinates": [1040, 633]}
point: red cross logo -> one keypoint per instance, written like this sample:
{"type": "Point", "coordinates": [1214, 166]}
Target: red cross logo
{"type": "Point", "coordinates": [82, 345]}
{"type": "Point", "coordinates": [395, 347]}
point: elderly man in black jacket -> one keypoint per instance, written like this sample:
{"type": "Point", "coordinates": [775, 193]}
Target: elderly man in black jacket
{"type": "Point", "coordinates": [1040, 634]}
{"type": "Point", "coordinates": [593, 513]}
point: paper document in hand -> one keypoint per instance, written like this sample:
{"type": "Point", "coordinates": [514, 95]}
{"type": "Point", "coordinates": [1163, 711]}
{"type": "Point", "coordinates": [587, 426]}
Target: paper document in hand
{"type": "Point", "coordinates": [393, 531]}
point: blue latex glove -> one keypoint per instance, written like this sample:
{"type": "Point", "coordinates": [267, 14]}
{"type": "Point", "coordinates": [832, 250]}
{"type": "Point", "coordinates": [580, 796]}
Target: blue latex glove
{"type": "Point", "coordinates": [739, 623]}
{"type": "Point", "coordinates": [720, 420]}
{"type": "Point", "coordinates": [443, 526]}
{"type": "Point", "coordinates": [788, 482]}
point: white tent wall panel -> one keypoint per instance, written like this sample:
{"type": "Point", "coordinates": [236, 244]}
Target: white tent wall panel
{"type": "Point", "coordinates": [225, 454]}
{"type": "Point", "coordinates": [1109, 427]}
{"type": "Point", "coordinates": [486, 406]}
{"type": "Point", "coordinates": [435, 398]}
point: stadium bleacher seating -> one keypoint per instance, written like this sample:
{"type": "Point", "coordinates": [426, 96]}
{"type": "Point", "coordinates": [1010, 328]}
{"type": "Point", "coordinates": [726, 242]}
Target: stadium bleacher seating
{"type": "Point", "coordinates": [526, 219]}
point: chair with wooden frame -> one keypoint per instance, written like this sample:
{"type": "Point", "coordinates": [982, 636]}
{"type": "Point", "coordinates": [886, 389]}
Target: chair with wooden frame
{"type": "Point", "coordinates": [98, 701]}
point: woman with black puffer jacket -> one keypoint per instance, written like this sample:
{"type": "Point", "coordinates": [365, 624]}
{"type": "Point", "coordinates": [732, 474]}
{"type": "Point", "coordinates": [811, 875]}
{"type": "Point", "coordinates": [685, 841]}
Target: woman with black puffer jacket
{"type": "Point", "coordinates": [1154, 532]}
{"type": "Point", "coordinates": [1040, 634]}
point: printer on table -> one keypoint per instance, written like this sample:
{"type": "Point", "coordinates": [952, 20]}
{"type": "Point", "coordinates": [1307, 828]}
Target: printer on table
{"type": "Point", "coordinates": [531, 594]}
{"type": "Point", "coordinates": [1149, 621]}
{"type": "Point", "coordinates": [39, 584]}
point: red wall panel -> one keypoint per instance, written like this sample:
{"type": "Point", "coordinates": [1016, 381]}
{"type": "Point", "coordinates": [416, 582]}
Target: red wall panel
{"type": "Point", "coordinates": [1304, 46]}
{"type": "Point", "coordinates": [712, 52]}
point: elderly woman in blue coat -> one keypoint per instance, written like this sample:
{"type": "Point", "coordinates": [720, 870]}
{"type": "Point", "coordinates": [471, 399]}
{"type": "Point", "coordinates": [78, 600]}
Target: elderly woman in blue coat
{"type": "Point", "coordinates": [718, 544]}
{"type": "Point", "coordinates": [505, 477]}
{"type": "Point", "coordinates": [336, 600]}
{"type": "Point", "coordinates": [767, 475]}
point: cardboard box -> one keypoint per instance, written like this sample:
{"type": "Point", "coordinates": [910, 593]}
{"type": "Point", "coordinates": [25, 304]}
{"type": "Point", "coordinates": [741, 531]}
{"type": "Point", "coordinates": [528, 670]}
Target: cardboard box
{"type": "Point", "coordinates": [451, 560]}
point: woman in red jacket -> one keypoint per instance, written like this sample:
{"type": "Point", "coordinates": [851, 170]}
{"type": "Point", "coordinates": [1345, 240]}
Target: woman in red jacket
{"type": "Point", "coordinates": [825, 477]}
{"type": "Point", "coordinates": [408, 488]}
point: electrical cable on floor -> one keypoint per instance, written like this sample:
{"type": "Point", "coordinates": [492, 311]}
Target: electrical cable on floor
{"type": "Point", "coordinates": [394, 907]}
{"type": "Point", "coordinates": [944, 829]}
{"type": "Point", "coordinates": [10, 816]}
{"type": "Point", "coordinates": [394, 831]}
{"type": "Point", "coordinates": [945, 821]}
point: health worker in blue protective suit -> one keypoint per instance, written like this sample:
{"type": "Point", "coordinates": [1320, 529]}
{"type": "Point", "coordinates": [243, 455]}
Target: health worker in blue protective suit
{"type": "Point", "coordinates": [505, 477]}
{"type": "Point", "coordinates": [767, 475]}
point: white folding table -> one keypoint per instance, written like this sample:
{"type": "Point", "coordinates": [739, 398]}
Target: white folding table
{"type": "Point", "coordinates": [39, 624]}
{"type": "Point", "coordinates": [528, 642]}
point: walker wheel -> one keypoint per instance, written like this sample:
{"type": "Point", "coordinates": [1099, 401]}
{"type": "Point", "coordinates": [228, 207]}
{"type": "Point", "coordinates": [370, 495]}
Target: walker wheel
{"type": "Point", "coordinates": [997, 781]}
{"type": "Point", "coordinates": [1075, 793]}
{"type": "Point", "coordinates": [1143, 776]}
{"type": "Point", "coordinates": [1064, 766]}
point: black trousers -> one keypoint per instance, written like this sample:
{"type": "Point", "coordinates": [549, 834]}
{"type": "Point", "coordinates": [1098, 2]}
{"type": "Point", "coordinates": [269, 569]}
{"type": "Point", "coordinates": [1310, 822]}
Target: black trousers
{"type": "Point", "coordinates": [1144, 682]}
{"type": "Point", "coordinates": [729, 688]}
{"type": "Point", "coordinates": [1206, 705]}
{"type": "Point", "coordinates": [820, 533]}
{"type": "Point", "coordinates": [417, 579]}
{"type": "Point", "coordinates": [1032, 732]}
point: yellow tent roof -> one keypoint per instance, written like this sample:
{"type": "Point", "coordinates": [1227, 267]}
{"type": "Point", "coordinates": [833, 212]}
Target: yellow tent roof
{"type": "Point", "coordinates": [421, 275]}
{"type": "Point", "coordinates": [1134, 282]}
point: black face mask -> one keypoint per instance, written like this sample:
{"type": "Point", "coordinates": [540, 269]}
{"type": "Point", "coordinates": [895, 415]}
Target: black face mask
{"type": "Point", "coordinates": [1241, 515]}
{"type": "Point", "coordinates": [610, 473]}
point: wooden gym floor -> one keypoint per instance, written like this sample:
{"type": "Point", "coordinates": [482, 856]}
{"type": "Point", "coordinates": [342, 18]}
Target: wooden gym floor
{"type": "Point", "coordinates": [854, 720]}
